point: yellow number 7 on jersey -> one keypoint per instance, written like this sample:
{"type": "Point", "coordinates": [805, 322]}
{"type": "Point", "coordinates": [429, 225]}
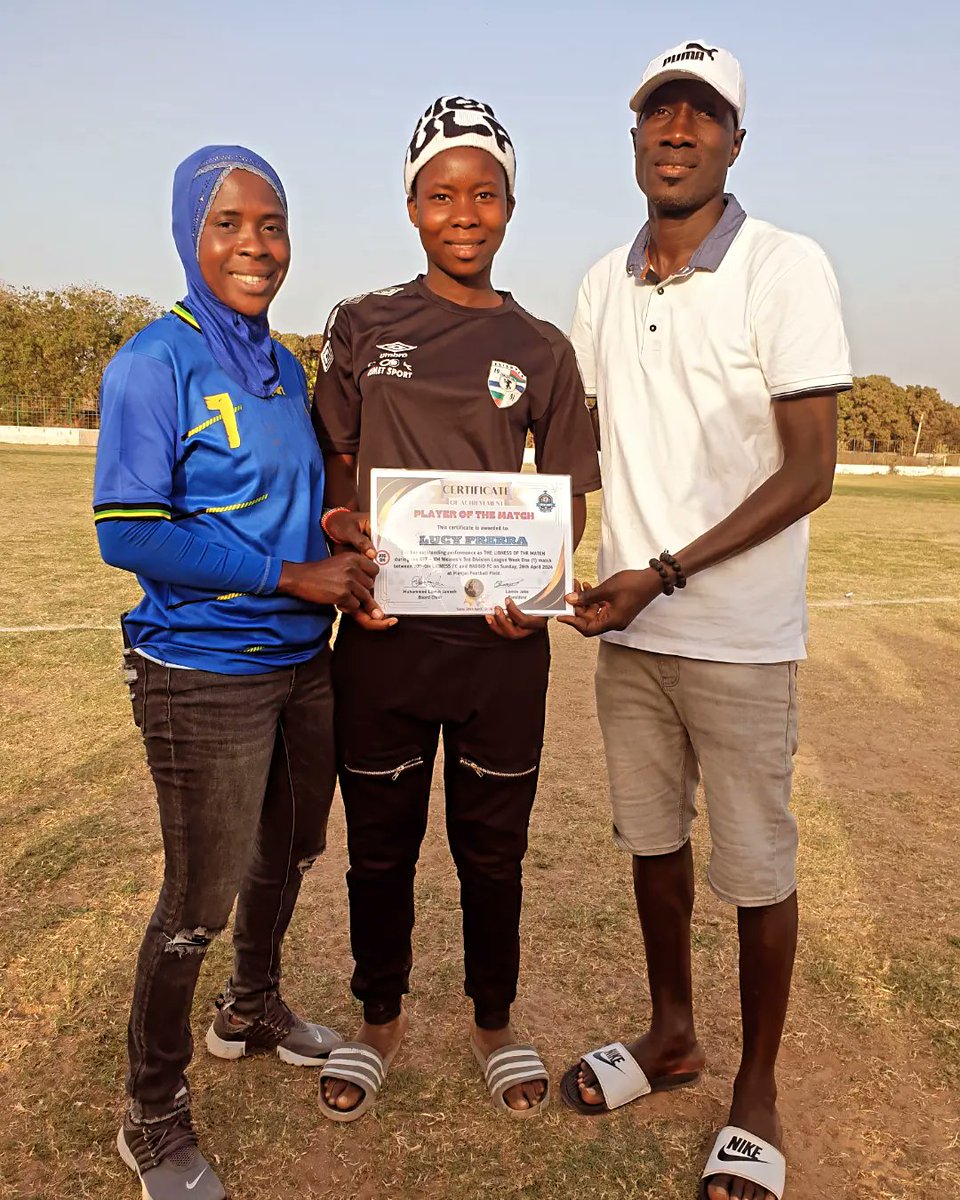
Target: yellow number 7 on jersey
{"type": "Point", "coordinates": [224, 406]}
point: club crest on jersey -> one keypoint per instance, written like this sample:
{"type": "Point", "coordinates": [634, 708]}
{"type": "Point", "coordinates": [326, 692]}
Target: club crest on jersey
{"type": "Point", "coordinates": [393, 360]}
{"type": "Point", "coordinates": [506, 382]}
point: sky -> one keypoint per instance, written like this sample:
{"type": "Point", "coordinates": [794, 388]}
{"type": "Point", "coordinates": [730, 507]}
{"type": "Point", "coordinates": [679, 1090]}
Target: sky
{"type": "Point", "coordinates": [851, 139]}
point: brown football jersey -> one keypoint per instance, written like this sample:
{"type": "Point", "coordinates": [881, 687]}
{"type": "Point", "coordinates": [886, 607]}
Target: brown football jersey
{"type": "Point", "coordinates": [410, 380]}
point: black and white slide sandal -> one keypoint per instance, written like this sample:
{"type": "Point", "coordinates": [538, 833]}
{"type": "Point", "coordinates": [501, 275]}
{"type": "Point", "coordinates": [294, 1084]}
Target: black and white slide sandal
{"type": "Point", "coordinates": [621, 1080]}
{"type": "Point", "coordinates": [745, 1156]}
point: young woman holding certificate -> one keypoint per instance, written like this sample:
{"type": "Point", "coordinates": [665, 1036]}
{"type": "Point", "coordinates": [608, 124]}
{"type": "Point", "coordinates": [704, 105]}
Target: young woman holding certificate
{"type": "Point", "coordinates": [412, 377]}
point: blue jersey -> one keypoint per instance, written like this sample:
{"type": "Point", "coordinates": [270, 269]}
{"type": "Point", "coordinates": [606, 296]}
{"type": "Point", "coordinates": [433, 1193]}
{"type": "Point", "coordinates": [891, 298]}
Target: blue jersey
{"type": "Point", "coordinates": [183, 445]}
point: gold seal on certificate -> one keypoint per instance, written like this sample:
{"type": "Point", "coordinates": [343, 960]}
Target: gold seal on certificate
{"type": "Point", "coordinates": [452, 543]}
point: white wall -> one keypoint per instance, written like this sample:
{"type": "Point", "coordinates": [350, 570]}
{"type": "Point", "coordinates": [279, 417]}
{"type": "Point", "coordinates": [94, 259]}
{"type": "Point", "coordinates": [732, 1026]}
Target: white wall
{"type": "Point", "coordinates": [862, 469]}
{"type": "Point", "coordinates": [36, 435]}
{"type": "Point", "coordinates": [868, 469]}
{"type": "Point", "coordinates": [953, 472]}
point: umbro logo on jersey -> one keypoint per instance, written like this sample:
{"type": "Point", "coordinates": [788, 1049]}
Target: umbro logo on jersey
{"type": "Point", "coordinates": [393, 360]}
{"type": "Point", "coordinates": [506, 382]}
{"type": "Point", "coordinates": [738, 1149]}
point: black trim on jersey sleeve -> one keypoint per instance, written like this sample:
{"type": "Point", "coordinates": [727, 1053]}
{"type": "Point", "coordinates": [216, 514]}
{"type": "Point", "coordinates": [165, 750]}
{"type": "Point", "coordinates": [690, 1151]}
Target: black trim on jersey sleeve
{"type": "Point", "coordinates": [563, 437]}
{"type": "Point", "coordinates": [336, 396]}
{"type": "Point", "coordinates": [145, 511]}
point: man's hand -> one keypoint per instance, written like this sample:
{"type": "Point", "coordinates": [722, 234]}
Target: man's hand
{"type": "Point", "coordinates": [345, 580]}
{"type": "Point", "coordinates": [352, 530]}
{"type": "Point", "coordinates": [514, 624]}
{"type": "Point", "coordinates": [614, 603]}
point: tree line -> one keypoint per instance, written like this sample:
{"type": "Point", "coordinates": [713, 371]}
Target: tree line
{"type": "Point", "coordinates": [55, 344]}
{"type": "Point", "coordinates": [879, 414]}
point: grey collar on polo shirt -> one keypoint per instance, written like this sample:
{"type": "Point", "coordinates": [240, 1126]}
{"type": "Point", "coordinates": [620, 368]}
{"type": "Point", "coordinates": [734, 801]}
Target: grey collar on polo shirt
{"type": "Point", "coordinates": [708, 255]}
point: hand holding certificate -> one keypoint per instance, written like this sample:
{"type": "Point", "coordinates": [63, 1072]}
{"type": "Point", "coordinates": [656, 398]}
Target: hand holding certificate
{"type": "Point", "coordinates": [462, 542]}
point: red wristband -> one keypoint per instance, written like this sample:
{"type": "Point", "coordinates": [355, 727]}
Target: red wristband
{"type": "Point", "coordinates": [326, 517]}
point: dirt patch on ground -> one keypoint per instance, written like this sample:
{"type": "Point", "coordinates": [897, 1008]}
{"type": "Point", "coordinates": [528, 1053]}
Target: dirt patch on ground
{"type": "Point", "coordinates": [879, 710]}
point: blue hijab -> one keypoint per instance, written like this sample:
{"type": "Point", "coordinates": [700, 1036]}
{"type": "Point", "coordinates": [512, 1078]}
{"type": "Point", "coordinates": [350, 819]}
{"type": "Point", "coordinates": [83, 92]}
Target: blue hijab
{"type": "Point", "coordinates": [241, 345]}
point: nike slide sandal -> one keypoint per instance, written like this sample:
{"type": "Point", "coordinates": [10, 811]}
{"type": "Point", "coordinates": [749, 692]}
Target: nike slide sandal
{"type": "Point", "coordinates": [745, 1156]}
{"type": "Point", "coordinates": [621, 1079]}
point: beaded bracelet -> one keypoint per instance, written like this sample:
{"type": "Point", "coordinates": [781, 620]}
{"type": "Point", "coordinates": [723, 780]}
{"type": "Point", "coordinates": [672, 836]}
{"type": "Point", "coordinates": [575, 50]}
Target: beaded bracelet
{"type": "Point", "coordinates": [667, 557]}
{"type": "Point", "coordinates": [665, 585]}
{"type": "Point", "coordinates": [323, 524]}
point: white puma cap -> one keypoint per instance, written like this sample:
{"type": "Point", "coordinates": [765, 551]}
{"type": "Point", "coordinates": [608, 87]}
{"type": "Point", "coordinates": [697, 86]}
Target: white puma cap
{"type": "Point", "coordinates": [696, 60]}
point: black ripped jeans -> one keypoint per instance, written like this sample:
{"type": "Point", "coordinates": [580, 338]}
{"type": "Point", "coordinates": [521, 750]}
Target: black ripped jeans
{"type": "Point", "coordinates": [244, 769]}
{"type": "Point", "coordinates": [396, 691]}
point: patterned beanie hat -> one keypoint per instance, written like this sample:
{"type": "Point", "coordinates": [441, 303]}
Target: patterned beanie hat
{"type": "Point", "coordinates": [455, 121]}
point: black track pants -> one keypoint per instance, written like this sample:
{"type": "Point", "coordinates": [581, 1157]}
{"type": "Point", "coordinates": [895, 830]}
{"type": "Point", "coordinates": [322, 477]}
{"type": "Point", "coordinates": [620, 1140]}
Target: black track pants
{"type": "Point", "coordinates": [395, 692]}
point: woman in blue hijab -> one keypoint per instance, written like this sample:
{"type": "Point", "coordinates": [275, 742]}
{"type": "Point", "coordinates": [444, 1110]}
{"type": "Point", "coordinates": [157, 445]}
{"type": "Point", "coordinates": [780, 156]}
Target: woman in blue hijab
{"type": "Point", "coordinates": [209, 486]}
{"type": "Point", "coordinates": [238, 337]}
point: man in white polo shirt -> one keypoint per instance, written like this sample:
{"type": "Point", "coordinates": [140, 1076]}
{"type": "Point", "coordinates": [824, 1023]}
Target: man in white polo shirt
{"type": "Point", "coordinates": [715, 348]}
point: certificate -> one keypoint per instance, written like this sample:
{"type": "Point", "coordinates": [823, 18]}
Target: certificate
{"type": "Point", "coordinates": [458, 542]}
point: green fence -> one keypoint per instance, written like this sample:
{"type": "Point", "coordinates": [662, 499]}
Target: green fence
{"type": "Point", "coordinates": [930, 451]}
{"type": "Point", "coordinates": [49, 411]}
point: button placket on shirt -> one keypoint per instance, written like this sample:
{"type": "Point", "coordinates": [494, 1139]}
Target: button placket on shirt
{"type": "Point", "coordinates": [655, 313]}
{"type": "Point", "coordinates": [651, 313]}
{"type": "Point", "coordinates": [653, 318]}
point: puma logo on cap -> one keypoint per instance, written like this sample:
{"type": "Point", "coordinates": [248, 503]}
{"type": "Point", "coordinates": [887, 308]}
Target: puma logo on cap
{"type": "Point", "coordinates": [694, 51]}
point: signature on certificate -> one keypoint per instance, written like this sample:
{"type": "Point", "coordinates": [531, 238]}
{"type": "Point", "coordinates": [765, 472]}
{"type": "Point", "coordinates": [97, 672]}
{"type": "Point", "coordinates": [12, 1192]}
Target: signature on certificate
{"type": "Point", "coordinates": [428, 585]}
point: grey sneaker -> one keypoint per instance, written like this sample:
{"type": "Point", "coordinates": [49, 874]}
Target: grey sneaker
{"type": "Point", "coordinates": [295, 1041]}
{"type": "Point", "coordinates": [164, 1155]}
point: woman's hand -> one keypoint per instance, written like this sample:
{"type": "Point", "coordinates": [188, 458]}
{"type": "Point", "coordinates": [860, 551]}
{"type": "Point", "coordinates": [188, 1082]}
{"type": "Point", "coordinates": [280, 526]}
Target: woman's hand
{"type": "Point", "coordinates": [351, 530]}
{"type": "Point", "coordinates": [514, 624]}
{"type": "Point", "coordinates": [346, 581]}
{"type": "Point", "coordinates": [373, 619]}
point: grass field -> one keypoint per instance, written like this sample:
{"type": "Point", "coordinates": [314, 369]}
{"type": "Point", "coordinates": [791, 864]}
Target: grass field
{"type": "Point", "coordinates": [870, 1078]}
